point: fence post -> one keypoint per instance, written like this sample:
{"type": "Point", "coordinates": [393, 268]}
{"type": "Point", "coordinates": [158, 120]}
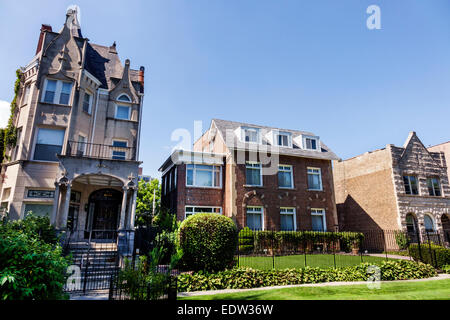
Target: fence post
{"type": "Point", "coordinates": [304, 250]}
{"type": "Point", "coordinates": [418, 244]}
{"type": "Point", "coordinates": [384, 243]}
{"type": "Point", "coordinates": [429, 248]}
{"type": "Point", "coordinates": [334, 251]}
{"type": "Point", "coordinates": [273, 250]}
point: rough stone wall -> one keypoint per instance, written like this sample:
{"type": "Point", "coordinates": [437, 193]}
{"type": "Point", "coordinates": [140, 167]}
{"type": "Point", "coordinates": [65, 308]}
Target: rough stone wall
{"type": "Point", "coordinates": [415, 159]}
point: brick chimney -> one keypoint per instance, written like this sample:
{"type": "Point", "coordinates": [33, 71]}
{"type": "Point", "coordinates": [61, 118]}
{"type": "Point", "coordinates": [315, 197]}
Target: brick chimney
{"type": "Point", "coordinates": [141, 78]}
{"type": "Point", "coordinates": [44, 28]}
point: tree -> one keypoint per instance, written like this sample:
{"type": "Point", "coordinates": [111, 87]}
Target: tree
{"type": "Point", "coordinates": [148, 193]}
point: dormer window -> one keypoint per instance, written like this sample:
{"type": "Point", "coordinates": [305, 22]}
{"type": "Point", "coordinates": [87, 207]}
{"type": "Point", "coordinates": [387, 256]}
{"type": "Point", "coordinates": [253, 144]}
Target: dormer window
{"type": "Point", "coordinates": [311, 143]}
{"type": "Point", "coordinates": [283, 139]}
{"type": "Point", "coordinates": [250, 135]}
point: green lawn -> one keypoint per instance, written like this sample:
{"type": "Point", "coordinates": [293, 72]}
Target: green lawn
{"type": "Point", "coordinates": [426, 290]}
{"type": "Point", "coordinates": [298, 261]}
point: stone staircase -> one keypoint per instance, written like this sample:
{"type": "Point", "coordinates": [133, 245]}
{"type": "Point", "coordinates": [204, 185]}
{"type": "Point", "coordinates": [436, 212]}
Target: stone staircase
{"type": "Point", "coordinates": [94, 263]}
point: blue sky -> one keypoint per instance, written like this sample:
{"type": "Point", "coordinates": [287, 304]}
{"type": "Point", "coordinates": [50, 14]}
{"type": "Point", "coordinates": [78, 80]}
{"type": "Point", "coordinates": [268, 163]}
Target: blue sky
{"type": "Point", "coordinates": [306, 65]}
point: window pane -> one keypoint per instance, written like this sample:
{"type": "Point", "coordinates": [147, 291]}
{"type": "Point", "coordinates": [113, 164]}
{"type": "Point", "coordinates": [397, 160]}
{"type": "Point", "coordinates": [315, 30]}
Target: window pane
{"type": "Point", "coordinates": [122, 112]}
{"type": "Point", "coordinates": [217, 178]}
{"type": "Point", "coordinates": [123, 98]}
{"type": "Point", "coordinates": [429, 226]}
{"type": "Point", "coordinates": [413, 183]}
{"type": "Point", "coordinates": [118, 155]}
{"type": "Point", "coordinates": [284, 179]}
{"type": "Point", "coordinates": [287, 222]}
{"type": "Point", "coordinates": [254, 221]}
{"type": "Point", "coordinates": [203, 178]}
{"type": "Point", "coordinates": [65, 93]}
{"type": "Point", "coordinates": [40, 210]}
{"type": "Point", "coordinates": [317, 223]}
{"type": "Point", "coordinates": [50, 91]}
{"type": "Point", "coordinates": [119, 144]}
{"type": "Point", "coordinates": [190, 177]}
{"type": "Point", "coordinates": [253, 177]}
{"type": "Point", "coordinates": [314, 182]}
{"type": "Point", "coordinates": [87, 103]}
{"type": "Point", "coordinates": [48, 144]}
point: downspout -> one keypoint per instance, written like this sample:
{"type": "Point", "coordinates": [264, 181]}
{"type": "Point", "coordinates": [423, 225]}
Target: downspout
{"type": "Point", "coordinates": [139, 128]}
{"type": "Point", "coordinates": [95, 120]}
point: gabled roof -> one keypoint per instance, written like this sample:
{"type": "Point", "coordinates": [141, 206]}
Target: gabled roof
{"type": "Point", "coordinates": [225, 126]}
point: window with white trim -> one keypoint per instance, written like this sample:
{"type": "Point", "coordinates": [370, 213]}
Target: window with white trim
{"type": "Point", "coordinates": [250, 135]}
{"type": "Point", "coordinates": [434, 187]}
{"type": "Point", "coordinates": [81, 147]}
{"type": "Point", "coordinates": [318, 220]}
{"type": "Point", "coordinates": [123, 112]}
{"type": "Point", "coordinates": [253, 174]}
{"type": "Point", "coordinates": [26, 94]}
{"type": "Point", "coordinates": [285, 177]}
{"type": "Point", "coordinates": [191, 210]}
{"type": "Point", "coordinates": [87, 102]}
{"type": "Point", "coordinates": [311, 143]}
{"type": "Point", "coordinates": [200, 175]}
{"type": "Point", "coordinates": [283, 139]}
{"type": "Point", "coordinates": [57, 92]}
{"type": "Point", "coordinates": [314, 179]}
{"type": "Point", "coordinates": [255, 218]}
{"type": "Point", "coordinates": [287, 219]}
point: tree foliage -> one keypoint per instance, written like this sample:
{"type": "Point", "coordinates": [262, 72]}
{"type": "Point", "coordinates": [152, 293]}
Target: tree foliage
{"type": "Point", "coordinates": [144, 201]}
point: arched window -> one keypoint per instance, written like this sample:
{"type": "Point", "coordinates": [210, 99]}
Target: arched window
{"type": "Point", "coordinates": [429, 224]}
{"type": "Point", "coordinates": [124, 97]}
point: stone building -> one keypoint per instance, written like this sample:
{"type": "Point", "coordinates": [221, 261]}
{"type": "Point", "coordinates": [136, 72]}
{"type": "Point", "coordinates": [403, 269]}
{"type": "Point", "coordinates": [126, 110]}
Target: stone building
{"type": "Point", "coordinates": [394, 188]}
{"type": "Point", "coordinates": [78, 123]}
{"type": "Point", "coordinates": [262, 177]}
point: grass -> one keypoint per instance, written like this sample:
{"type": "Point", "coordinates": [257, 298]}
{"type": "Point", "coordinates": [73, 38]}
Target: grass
{"type": "Point", "coordinates": [298, 261]}
{"type": "Point", "coordinates": [423, 290]}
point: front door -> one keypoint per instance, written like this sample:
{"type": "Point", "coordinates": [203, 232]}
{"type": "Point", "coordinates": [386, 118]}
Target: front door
{"type": "Point", "coordinates": [104, 213]}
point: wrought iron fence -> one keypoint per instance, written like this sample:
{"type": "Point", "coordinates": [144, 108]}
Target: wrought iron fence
{"type": "Point", "coordinates": [298, 249]}
{"type": "Point", "coordinates": [100, 151]}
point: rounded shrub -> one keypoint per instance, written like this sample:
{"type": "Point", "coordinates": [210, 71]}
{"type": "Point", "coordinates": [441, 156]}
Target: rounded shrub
{"type": "Point", "coordinates": [208, 241]}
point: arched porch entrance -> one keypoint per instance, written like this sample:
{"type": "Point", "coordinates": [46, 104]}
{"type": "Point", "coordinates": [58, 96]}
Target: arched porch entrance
{"type": "Point", "coordinates": [104, 209]}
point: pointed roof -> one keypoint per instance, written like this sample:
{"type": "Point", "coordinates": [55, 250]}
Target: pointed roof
{"type": "Point", "coordinates": [411, 143]}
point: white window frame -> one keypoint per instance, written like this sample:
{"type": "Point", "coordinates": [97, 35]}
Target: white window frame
{"type": "Point", "coordinates": [282, 133]}
{"type": "Point", "coordinates": [252, 168]}
{"type": "Point", "coordinates": [315, 212]}
{"type": "Point", "coordinates": [175, 178]}
{"type": "Point", "coordinates": [91, 98]}
{"type": "Point", "coordinates": [432, 186]}
{"type": "Point", "coordinates": [293, 213]}
{"type": "Point", "coordinates": [35, 141]}
{"type": "Point", "coordinates": [320, 178]}
{"type": "Point", "coordinates": [291, 170]}
{"type": "Point", "coordinates": [262, 215]}
{"type": "Point", "coordinates": [258, 135]}
{"type": "Point", "coordinates": [123, 106]}
{"type": "Point", "coordinates": [213, 170]}
{"type": "Point", "coordinates": [58, 90]}
{"type": "Point", "coordinates": [194, 207]}
{"type": "Point", "coordinates": [410, 185]}
{"type": "Point", "coordinates": [26, 94]}
{"type": "Point", "coordinates": [304, 144]}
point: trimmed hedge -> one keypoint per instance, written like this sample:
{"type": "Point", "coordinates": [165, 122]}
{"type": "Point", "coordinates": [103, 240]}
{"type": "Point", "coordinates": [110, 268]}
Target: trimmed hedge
{"type": "Point", "coordinates": [246, 278]}
{"type": "Point", "coordinates": [208, 241]}
{"type": "Point", "coordinates": [261, 240]}
{"type": "Point", "coordinates": [438, 255]}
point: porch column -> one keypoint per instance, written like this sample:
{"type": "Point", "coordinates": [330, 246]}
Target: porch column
{"type": "Point", "coordinates": [123, 209]}
{"type": "Point", "coordinates": [66, 207]}
{"type": "Point", "coordinates": [55, 205]}
{"type": "Point", "coordinates": [133, 209]}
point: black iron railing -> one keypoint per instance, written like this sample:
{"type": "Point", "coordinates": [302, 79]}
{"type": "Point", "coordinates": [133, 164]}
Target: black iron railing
{"type": "Point", "coordinates": [100, 151]}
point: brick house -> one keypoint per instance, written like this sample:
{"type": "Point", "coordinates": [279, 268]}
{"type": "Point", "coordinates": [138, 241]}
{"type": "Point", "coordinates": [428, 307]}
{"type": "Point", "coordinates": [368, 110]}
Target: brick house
{"type": "Point", "coordinates": [78, 120]}
{"type": "Point", "coordinates": [262, 177]}
{"type": "Point", "coordinates": [394, 188]}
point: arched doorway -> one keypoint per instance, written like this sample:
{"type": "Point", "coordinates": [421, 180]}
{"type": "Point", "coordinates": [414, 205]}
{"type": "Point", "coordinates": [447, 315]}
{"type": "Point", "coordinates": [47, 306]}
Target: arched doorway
{"type": "Point", "coordinates": [103, 213]}
{"type": "Point", "coordinates": [445, 220]}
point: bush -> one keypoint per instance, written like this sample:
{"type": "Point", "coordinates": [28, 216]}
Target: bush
{"type": "Point", "coordinates": [208, 242]}
{"type": "Point", "coordinates": [446, 268]}
{"type": "Point", "coordinates": [438, 256]}
{"type": "Point", "coordinates": [246, 278]}
{"type": "Point", "coordinates": [35, 225]}
{"type": "Point", "coordinates": [246, 241]}
{"type": "Point", "coordinates": [29, 267]}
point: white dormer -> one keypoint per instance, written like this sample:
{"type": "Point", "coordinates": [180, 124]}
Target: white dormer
{"type": "Point", "coordinates": [308, 142]}
{"type": "Point", "coordinates": [249, 134]}
{"type": "Point", "coordinates": [280, 138]}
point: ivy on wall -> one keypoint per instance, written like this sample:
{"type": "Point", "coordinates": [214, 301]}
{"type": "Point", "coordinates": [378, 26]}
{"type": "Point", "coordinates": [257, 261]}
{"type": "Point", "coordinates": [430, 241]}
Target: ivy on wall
{"type": "Point", "coordinates": [8, 135]}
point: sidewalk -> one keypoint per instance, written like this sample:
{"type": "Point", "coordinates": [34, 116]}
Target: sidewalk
{"type": "Point", "coordinates": [97, 295]}
{"type": "Point", "coordinates": [323, 284]}
{"type": "Point", "coordinates": [389, 256]}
